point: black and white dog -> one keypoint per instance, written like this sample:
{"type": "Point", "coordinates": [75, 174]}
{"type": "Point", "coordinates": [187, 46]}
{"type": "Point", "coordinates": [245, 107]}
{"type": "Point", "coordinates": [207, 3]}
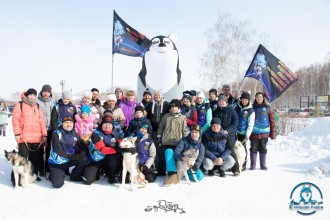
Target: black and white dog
{"type": "Point", "coordinates": [22, 168]}
{"type": "Point", "coordinates": [183, 166]}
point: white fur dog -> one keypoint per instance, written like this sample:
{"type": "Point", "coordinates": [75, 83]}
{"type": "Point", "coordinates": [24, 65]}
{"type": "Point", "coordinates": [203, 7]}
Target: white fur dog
{"type": "Point", "coordinates": [130, 163]}
{"type": "Point", "coordinates": [240, 154]}
{"type": "Point", "coordinates": [183, 166]}
{"type": "Point", "coordinates": [22, 168]}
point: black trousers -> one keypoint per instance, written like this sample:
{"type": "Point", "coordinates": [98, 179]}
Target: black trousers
{"type": "Point", "coordinates": [35, 155]}
{"type": "Point", "coordinates": [109, 164]}
{"type": "Point", "coordinates": [259, 145]}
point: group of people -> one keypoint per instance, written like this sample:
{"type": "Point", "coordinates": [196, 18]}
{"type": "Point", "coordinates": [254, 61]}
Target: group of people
{"type": "Point", "coordinates": [86, 136]}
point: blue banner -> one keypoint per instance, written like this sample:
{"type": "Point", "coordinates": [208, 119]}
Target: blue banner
{"type": "Point", "coordinates": [271, 72]}
{"type": "Point", "coordinates": [126, 40]}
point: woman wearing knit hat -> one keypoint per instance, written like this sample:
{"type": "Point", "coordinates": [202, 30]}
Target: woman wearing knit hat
{"type": "Point", "coordinates": [102, 152]}
{"type": "Point", "coordinates": [189, 111]}
{"type": "Point", "coordinates": [246, 117]}
{"type": "Point", "coordinates": [119, 95]}
{"type": "Point", "coordinates": [264, 127]}
{"type": "Point", "coordinates": [204, 112]}
{"type": "Point", "coordinates": [111, 108]}
{"type": "Point", "coordinates": [29, 129]}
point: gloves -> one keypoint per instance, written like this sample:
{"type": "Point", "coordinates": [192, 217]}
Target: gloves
{"type": "Point", "coordinates": [143, 167]}
{"type": "Point", "coordinates": [194, 168]}
{"type": "Point", "coordinates": [245, 140]}
{"type": "Point", "coordinates": [273, 135]}
{"type": "Point", "coordinates": [78, 157]}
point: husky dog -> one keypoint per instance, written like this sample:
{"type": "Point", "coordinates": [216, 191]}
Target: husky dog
{"type": "Point", "coordinates": [240, 154]}
{"type": "Point", "coordinates": [22, 168]}
{"type": "Point", "coordinates": [183, 166]}
{"type": "Point", "coordinates": [130, 163]}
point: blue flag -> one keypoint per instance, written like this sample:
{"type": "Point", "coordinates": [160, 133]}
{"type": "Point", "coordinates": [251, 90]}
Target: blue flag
{"type": "Point", "coordinates": [271, 72]}
{"type": "Point", "coordinates": [126, 40]}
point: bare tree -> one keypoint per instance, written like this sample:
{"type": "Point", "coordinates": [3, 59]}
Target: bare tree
{"type": "Point", "coordinates": [231, 46]}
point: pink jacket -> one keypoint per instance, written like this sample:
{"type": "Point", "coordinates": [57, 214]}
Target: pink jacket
{"type": "Point", "coordinates": [84, 126]}
{"type": "Point", "coordinates": [29, 123]}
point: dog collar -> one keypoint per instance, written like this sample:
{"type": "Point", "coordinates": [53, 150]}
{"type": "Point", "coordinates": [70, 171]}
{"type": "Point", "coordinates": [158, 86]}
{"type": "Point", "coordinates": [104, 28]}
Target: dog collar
{"type": "Point", "coordinates": [131, 150]}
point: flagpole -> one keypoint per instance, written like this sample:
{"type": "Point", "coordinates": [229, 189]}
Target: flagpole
{"type": "Point", "coordinates": [112, 74]}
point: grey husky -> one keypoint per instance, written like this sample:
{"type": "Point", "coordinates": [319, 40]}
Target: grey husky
{"type": "Point", "coordinates": [22, 168]}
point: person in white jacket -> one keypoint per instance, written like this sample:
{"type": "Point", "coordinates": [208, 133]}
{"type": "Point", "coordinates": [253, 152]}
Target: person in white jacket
{"type": "Point", "coordinates": [246, 117]}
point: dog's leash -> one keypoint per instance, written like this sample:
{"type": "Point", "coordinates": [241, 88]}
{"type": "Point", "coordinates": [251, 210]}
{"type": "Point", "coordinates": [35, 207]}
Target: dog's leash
{"type": "Point", "coordinates": [37, 147]}
{"type": "Point", "coordinates": [140, 180]}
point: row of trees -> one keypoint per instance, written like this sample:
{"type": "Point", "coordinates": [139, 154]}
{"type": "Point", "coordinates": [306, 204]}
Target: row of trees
{"type": "Point", "coordinates": [226, 60]}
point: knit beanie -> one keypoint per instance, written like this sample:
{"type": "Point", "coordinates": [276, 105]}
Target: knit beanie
{"type": "Point", "coordinates": [31, 92]}
{"type": "Point", "coordinates": [67, 118]}
{"type": "Point", "coordinates": [222, 97]}
{"type": "Point", "coordinates": [187, 96]}
{"type": "Point", "coordinates": [145, 126]}
{"type": "Point", "coordinates": [147, 92]}
{"type": "Point", "coordinates": [106, 119]}
{"type": "Point", "coordinates": [111, 96]}
{"type": "Point", "coordinates": [86, 109]}
{"type": "Point", "coordinates": [193, 92]}
{"type": "Point", "coordinates": [213, 91]}
{"type": "Point", "coordinates": [66, 94]}
{"type": "Point", "coordinates": [200, 94]}
{"type": "Point", "coordinates": [139, 108]}
{"type": "Point", "coordinates": [216, 120]}
{"type": "Point", "coordinates": [175, 103]}
{"type": "Point", "coordinates": [47, 88]}
{"type": "Point", "coordinates": [245, 95]}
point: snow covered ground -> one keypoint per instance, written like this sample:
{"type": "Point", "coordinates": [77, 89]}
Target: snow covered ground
{"type": "Point", "coordinates": [303, 156]}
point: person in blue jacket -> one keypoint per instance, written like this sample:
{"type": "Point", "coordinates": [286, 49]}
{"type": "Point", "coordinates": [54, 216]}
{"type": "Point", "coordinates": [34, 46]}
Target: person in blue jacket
{"type": "Point", "coordinates": [218, 149]}
{"type": "Point", "coordinates": [192, 141]}
{"type": "Point", "coordinates": [67, 150]}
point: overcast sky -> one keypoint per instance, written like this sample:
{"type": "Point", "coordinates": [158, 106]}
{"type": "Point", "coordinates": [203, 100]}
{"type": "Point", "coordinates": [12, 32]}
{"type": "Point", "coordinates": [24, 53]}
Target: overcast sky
{"type": "Point", "coordinates": [44, 42]}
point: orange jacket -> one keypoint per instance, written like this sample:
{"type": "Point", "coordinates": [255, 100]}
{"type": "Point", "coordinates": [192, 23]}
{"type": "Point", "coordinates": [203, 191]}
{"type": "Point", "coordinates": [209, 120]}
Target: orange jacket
{"type": "Point", "coordinates": [29, 123]}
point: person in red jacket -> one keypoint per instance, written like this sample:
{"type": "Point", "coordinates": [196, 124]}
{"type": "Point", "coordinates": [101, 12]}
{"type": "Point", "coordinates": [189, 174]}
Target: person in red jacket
{"type": "Point", "coordinates": [29, 129]}
{"type": "Point", "coordinates": [102, 152]}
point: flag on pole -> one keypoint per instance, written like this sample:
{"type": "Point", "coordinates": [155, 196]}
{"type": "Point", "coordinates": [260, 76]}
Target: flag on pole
{"type": "Point", "coordinates": [127, 40]}
{"type": "Point", "coordinates": [271, 72]}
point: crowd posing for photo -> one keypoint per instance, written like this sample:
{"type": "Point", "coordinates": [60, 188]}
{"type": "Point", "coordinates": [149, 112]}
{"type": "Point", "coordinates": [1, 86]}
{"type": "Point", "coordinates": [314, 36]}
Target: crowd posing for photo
{"type": "Point", "coordinates": [82, 140]}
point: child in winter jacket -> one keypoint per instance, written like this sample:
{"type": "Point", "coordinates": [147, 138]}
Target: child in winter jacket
{"type": "Point", "coordinates": [146, 153]}
{"type": "Point", "coordinates": [138, 121]}
{"type": "Point", "coordinates": [84, 123]}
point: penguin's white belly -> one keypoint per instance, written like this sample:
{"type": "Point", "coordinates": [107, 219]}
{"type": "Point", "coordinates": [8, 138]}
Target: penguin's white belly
{"type": "Point", "coordinates": [161, 69]}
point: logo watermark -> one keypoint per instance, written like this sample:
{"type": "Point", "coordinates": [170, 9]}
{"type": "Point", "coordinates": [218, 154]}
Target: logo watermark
{"type": "Point", "coordinates": [166, 206]}
{"type": "Point", "coordinates": [306, 199]}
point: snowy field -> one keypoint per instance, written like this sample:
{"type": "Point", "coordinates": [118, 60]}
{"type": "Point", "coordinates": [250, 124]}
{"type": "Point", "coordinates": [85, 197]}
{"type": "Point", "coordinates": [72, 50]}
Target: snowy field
{"type": "Point", "coordinates": [303, 156]}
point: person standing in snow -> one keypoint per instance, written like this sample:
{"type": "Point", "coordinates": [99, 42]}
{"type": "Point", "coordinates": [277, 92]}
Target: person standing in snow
{"type": "Point", "coordinates": [4, 112]}
{"type": "Point", "coordinates": [29, 129]}
{"type": "Point", "coordinates": [47, 103]}
{"type": "Point", "coordinates": [204, 112]}
{"type": "Point", "coordinates": [246, 118]}
{"type": "Point", "coordinates": [264, 127]}
{"type": "Point", "coordinates": [87, 100]}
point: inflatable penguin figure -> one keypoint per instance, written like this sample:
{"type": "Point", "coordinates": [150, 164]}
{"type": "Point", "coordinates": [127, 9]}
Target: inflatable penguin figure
{"type": "Point", "coordinates": [160, 69]}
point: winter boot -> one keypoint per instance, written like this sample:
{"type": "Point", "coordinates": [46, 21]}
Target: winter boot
{"type": "Point", "coordinates": [262, 157]}
{"type": "Point", "coordinates": [112, 179]}
{"type": "Point", "coordinates": [210, 173]}
{"type": "Point", "coordinates": [171, 178]}
{"type": "Point", "coordinates": [1, 133]}
{"type": "Point", "coordinates": [222, 173]}
{"type": "Point", "coordinates": [253, 158]}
